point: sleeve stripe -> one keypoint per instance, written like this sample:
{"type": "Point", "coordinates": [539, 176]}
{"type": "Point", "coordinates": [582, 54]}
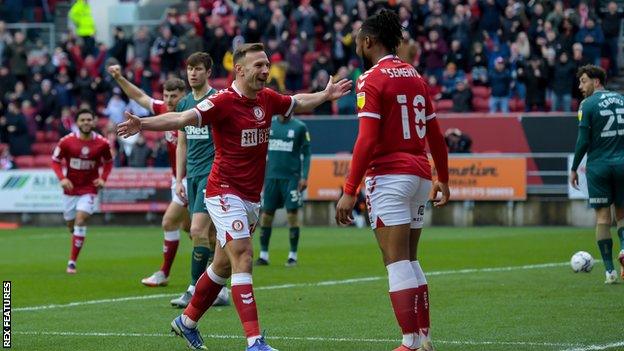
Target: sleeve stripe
{"type": "Point", "coordinates": [199, 117]}
{"type": "Point", "coordinates": [369, 114]}
{"type": "Point", "coordinates": [292, 106]}
{"type": "Point", "coordinates": [431, 116]}
{"type": "Point", "coordinates": [151, 107]}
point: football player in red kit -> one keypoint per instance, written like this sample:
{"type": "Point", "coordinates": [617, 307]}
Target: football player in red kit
{"type": "Point", "coordinates": [84, 152]}
{"type": "Point", "coordinates": [240, 117]}
{"type": "Point", "coordinates": [396, 120]}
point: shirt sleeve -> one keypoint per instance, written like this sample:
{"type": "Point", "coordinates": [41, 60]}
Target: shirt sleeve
{"type": "Point", "coordinates": [584, 115]}
{"type": "Point", "coordinates": [157, 107]}
{"type": "Point", "coordinates": [368, 98]}
{"type": "Point", "coordinates": [305, 151]}
{"type": "Point", "coordinates": [210, 110]}
{"type": "Point", "coordinates": [282, 104]}
{"type": "Point", "coordinates": [429, 110]}
{"type": "Point", "coordinates": [59, 152]}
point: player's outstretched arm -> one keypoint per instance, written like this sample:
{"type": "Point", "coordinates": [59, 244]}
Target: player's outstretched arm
{"type": "Point", "coordinates": [161, 123]}
{"type": "Point", "coordinates": [130, 89]}
{"type": "Point", "coordinates": [333, 91]}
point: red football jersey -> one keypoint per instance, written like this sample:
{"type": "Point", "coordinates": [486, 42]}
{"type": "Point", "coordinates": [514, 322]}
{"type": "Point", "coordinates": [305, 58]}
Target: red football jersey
{"type": "Point", "coordinates": [240, 128]}
{"type": "Point", "coordinates": [83, 159]}
{"type": "Point", "coordinates": [158, 107]}
{"type": "Point", "coordinates": [393, 92]}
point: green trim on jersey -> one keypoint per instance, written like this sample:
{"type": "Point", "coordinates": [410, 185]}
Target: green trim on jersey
{"type": "Point", "coordinates": [288, 142]}
{"type": "Point", "coordinates": [200, 150]}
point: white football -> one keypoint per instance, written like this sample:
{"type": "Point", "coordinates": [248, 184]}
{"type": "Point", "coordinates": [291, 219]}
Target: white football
{"type": "Point", "coordinates": [582, 261]}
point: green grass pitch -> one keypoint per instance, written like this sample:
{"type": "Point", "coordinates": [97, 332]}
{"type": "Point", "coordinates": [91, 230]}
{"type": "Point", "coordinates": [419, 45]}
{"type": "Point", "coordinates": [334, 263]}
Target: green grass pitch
{"type": "Point", "coordinates": [491, 288]}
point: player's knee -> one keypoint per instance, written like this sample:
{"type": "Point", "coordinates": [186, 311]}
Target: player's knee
{"type": "Point", "coordinates": [267, 219]}
{"type": "Point", "coordinates": [202, 240]}
{"type": "Point", "coordinates": [293, 219]}
{"type": "Point", "coordinates": [603, 215]}
{"type": "Point", "coordinates": [169, 224]}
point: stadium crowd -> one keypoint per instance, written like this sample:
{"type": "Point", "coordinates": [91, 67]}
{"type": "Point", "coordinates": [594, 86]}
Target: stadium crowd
{"type": "Point", "coordinates": [478, 55]}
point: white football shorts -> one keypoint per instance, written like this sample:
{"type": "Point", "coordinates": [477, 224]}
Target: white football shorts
{"type": "Point", "coordinates": [233, 217]}
{"type": "Point", "coordinates": [395, 199]}
{"type": "Point", "coordinates": [74, 203]}
{"type": "Point", "coordinates": [174, 196]}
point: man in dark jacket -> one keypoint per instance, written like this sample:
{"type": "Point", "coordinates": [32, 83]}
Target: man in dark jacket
{"type": "Point", "coordinates": [15, 128]}
{"type": "Point", "coordinates": [562, 81]}
{"type": "Point", "coordinates": [536, 79]}
{"type": "Point", "coordinates": [500, 83]}
{"type": "Point", "coordinates": [611, 22]}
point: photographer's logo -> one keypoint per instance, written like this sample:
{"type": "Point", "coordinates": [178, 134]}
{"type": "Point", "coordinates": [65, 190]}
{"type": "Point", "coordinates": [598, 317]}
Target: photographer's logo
{"type": "Point", "coordinates": [6, 314]}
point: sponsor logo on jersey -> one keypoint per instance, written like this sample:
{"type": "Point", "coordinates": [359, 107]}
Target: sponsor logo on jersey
{"type": "Point", "coordinates": [84, 151]}
{"type": "Point", "coordinates": [291, 133]}
{"type": "Point", "coordinates": [193, 132]}
{"type": "Point", "coordinates": [254, 137]}
{"type": "Point", "coordinates": [307, 135]}
{"type": "Point", "coordinates": [237, 225]}
{"type": "Point", "coordinates": [80, 164]}
{"type": "Point", "coordinates": [205, 105]}
{"type": "Point", "coordinates": [281, 145]}
{"type": "Point", "coordinates": [580, 114]}
{"type": "Point", "coordinates": [361, 100]}
{"type": "Point", "coordinates": [258, 113]}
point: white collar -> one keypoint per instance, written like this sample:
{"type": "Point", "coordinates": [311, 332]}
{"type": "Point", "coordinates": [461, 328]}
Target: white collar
{"type": "Point", "coordinates": [387, 57]}
{"type": "Point", "coordinates": [236, 88]}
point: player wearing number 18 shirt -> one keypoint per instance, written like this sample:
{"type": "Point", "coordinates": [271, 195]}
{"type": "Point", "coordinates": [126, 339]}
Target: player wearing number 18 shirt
{"type": "Point", "coordinates": [396, 121]}
{"type": "Point", "coordinates": [83, 152]}
{"type": "Point", "coordinates": [601, 136]}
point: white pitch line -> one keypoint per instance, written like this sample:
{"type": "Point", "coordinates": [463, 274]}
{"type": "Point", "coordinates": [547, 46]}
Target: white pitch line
{"type": "Point", "coordinates": [304, 338]}
{"type": "Point", "coordinates": [297, 285]}
{"type": "Point", "coordinates": [597, 347]}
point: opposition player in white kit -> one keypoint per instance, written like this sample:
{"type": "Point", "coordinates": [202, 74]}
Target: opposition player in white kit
{"type": "Point", "coordinates": [240, 117]}
{"type": "Point", "coordinates": [396, 120]}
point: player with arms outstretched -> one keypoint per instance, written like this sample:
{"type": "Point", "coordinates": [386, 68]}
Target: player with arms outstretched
{"type": "Point", "coordinates": [601, 136]}
{"type": "Point", "coordinates": [83, 152]}
{"type": "Point", "coordinates": [396, 119]}
{"type": "Point", "coordinates": [240, 117]}
{"type": "Point", "coordinates": [176, 216]}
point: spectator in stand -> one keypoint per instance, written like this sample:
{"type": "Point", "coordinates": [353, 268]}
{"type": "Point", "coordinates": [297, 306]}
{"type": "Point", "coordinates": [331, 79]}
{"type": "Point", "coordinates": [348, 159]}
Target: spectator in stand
{"type": "Point", "coordinates": [119, 50]}
{"type": "Point", "coordinates": [435, 50]}
{"type": "Point", "coordinates": [479, 65]}
{"type": "Point", "coordinates": [92, 64]}
{"type": "Point", "coordinates": [45, 67]}
{"type": "Point", "coordinates": [322, 63]}
{"type": "Point", "coordinates": [457, 141]}
{"type": "Point", "coordinates": [516, 60]}
{"type": "Point", "coordinates": [450, 77]}
{"type": "Point", "coordinates": [340, 39]}
{"type": "Point", "coordinates": [116, 107]}
{"type": "Point", "coordinates": [81, 16]}
{"type": "Point", "coordinates": [437, 19]}
{"type": "Point", "coordinates": [557, 14]}
{"type": "Point", "coordinates": [319, 84]}
{"type": "Point", "coordinates": [5, 39]}
{"type": "Point", "coordinates": [161, 154]}
{"type": "Point", "coordinates": [30, 116]}
{"type": "Point", "coordinates": [409, 50]}
{"type": "Point", "coordinates": [278, 28]}
{"type": "Point", "coordinates": [190, 42]}
{"type": "Point", "coordinates": [346, 104]}
{"type": "Point", "coordinates": [15, 128]}
{"type": "Point", "coordinates": [592, 38]}
{"type": "Point", "coordinates": [490, 20]}
{"type": "Point", "coordinates": [579, 60]}
{"type": "Point", "coordinates": [167, 47]}
{"type": "Point", "coordinates": [140, 153]}
{"type": "Point", "coordinates": [17, 57]}
{"type": "Point", "coordinates": [173, 23]}
{"type": "Point", "coordinates": [562, 80]}
{"type": "Point", "coordinates": [85, 88]}
{"type": "Point", "coordinates": [459, 29]}
{"type": "Point", "coordinates": [64, 91]}
{"type": "Point", "coordinates": [512, 24]}
{"type": "Point", "coordinates": [500, 83]}
{"type": "Point", "coordinates": [457, 56]}
{"type": "Point", "coordinates": [565, 35]}
{"type": "Point", "coordinates": [306, 18]}
{"type": "Point", "coordinates": [611, 23]}
{"type": "Point", "coordinates": [535, 77]}
{"type": "Point", "coordinates": [435, 89]}
{"type": "Point", "coordinates": [523, 45]}
{"type": "Point", "coordinates": [47, 106]}
{"type": "Point", "coordinates": [294, 71]}
{"type": "Point", "coordinates": [6, 160]}
{"type": "Point", "coordinates": [462, 98]}
{"type": "Point", "coordinates": [7, 82]}
{"type": "Point", "coordinates": [217, 44]}
{"type": "Point", "coordinates": [142, 44]}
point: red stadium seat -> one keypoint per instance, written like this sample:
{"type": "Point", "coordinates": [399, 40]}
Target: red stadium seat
{"type": "Point", "coordinates": [516, 105]}
{"type": "Point", "coordinates": [25, 161]}
{"type": "Point", "coordinates": [52, 136]}
{"type": "Point", "coordinates": [40, 136]}
{"type": "Point", "coordinates": [605, 63]}
{"type": "Point", "coordinates": [481, 104]}
{"type": "Point", "coordinates": [444, 105]}
{"type": "Point", "coordinates": [43, 148]}
{"type": "Point", "coordinates": [42, 161]}
{"type": "Point", "coordinates": [481, 92]}
{"type": "Point", "coordinates": [102, 123]}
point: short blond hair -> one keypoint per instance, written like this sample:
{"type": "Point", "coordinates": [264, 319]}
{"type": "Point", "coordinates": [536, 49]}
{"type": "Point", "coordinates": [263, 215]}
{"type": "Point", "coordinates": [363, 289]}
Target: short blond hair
{"type": "Point", "coordinates": [243, 49]}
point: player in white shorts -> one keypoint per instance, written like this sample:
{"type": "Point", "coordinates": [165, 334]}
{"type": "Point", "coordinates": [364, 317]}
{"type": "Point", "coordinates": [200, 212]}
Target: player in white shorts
{"type": "Point", "coordinates": [396, 122]}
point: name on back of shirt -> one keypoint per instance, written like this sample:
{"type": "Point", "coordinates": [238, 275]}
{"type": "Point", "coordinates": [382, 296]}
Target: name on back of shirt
{"type": "Point", "coordinates": [400, 72]}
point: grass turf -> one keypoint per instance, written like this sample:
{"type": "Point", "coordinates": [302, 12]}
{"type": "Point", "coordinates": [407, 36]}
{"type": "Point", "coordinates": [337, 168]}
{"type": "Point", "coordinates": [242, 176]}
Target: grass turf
{"type": "Point", "coordinates": [522, 308]}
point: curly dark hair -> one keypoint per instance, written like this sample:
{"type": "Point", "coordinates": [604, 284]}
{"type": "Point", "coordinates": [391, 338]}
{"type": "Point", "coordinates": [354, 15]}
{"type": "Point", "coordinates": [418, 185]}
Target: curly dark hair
{"type": "Point", "coordinates": [386, 27]}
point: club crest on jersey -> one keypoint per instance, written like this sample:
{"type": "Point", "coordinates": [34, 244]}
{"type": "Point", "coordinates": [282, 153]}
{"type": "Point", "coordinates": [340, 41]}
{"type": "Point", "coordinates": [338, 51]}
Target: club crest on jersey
{"type": "Point", "coordinates": [258, 113]}
{"type": "Point", "coordinates": [361, 99]}
{"type": "Point", "coordinates": [205, 105]}
{"type": "Point", "coordinates": [237, 225]}
{"type": "Point", "coordinates": [84, 151]}
{"type": "Point", "coordinates": [170, 137]}
{"type": "Point", "coordinates": [291, 133]}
